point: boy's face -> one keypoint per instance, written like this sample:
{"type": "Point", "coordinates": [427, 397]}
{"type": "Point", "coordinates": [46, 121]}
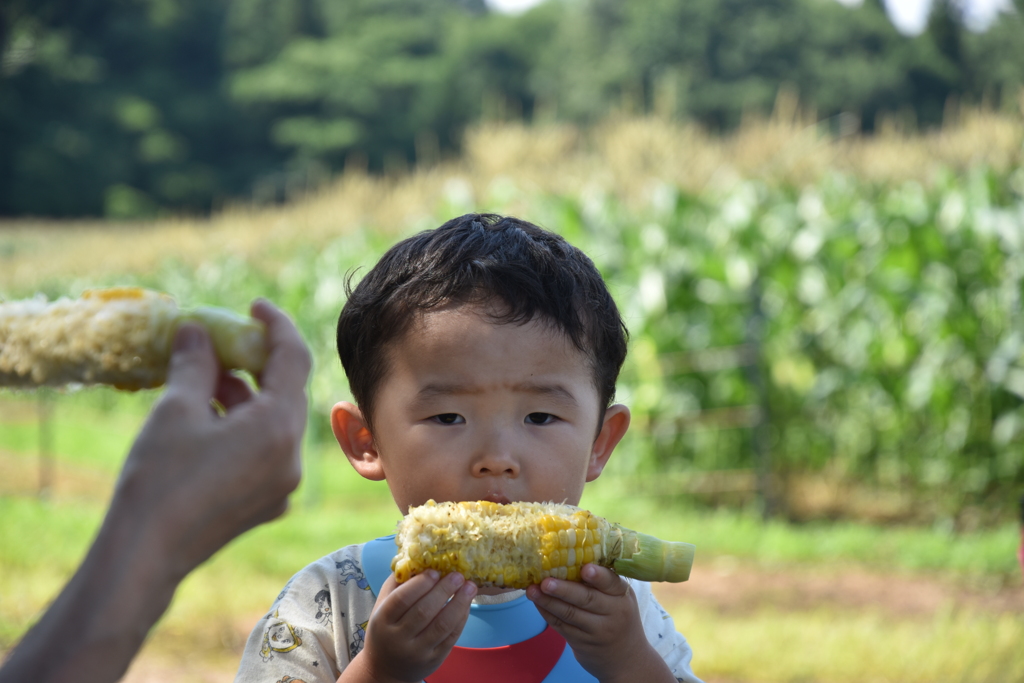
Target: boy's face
{"type": "Point", "coordinates": [473, 410]}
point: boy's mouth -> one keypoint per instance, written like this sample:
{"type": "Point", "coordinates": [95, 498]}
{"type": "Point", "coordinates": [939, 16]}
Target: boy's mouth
{"type": "Point", "coordinates": [497, 497]}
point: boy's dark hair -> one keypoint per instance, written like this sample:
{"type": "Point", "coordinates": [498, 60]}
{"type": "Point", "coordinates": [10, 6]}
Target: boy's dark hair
{"type": "Point", "coordinates": [476, 258]}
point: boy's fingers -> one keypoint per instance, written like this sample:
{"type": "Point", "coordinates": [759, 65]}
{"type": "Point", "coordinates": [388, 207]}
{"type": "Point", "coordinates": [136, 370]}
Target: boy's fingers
{"type": "Point", "coordinates": [604, 580]}
{"type": "Point", "coordinates": [559, 615]}
{"type": "Point", "coordinates": [578, 594]}
{"type": "Point", "coordinates": [288, 359]}
{"type": "Point", "coordinates": [568, 600]}
{"type": "Point", "coordinates": [552, 620]}
{"type": "Point", "coordinates": [453, 619]}
{"type": "Point", "coordinates": [194, 369]}
{"type": "Point", "coordinates": [427, 609]}
{"type": "Point", "coordinates": [389, 586]}
{"type": "Point", "coordinates": [386, 589]}
{"type": "Point", "coordinates": [395, 603]}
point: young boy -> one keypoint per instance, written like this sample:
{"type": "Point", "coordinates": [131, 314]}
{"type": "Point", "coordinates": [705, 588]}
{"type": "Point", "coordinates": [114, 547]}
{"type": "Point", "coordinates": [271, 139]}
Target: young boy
{"type": "Point", "coordinates": [482, 357]}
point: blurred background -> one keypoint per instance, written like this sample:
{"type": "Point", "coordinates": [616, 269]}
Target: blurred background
{"type": "Point", "coordinates": [811, 214]}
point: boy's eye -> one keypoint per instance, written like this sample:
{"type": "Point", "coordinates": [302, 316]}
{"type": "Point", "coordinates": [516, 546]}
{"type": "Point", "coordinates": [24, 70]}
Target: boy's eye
{"type": "Point", "coordinates": [449, 418]}
{"type": "Point", "coordinates": [540, 418]}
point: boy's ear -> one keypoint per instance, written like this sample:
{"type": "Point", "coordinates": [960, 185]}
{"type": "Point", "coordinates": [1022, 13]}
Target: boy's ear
{"type": "Point", "coordinates": [355, 439]}
{"type": "Point", "coordinates": [613, 428]}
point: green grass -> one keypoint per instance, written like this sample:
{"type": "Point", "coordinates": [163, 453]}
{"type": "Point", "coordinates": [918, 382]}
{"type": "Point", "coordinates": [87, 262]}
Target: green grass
{"type": "Point", "coordinates": [987, 554]}
{"type": "Point", "coordinates": [91, 433]}
{"type": "Point", "coordinates": [93, 427]}
{"type": "Point", "coordinates": [42, 541]}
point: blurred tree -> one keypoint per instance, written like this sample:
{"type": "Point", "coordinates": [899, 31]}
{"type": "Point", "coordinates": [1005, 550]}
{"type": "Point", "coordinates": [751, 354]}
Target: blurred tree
{"type": "Point", "coordinates": [939, 72]}
{"type": "Point", "coordinates": [131, 107]}
{"type": "Point", "coordinates": [367, 76]}
{"type": "Point", "coordinates": [713, 60]}
{"type": "Point", "coordinates": [995, 60]}
{"type": "Point", "coordinates": [116, 107]}
{"type": "Point", "coordinates": [946, 28]}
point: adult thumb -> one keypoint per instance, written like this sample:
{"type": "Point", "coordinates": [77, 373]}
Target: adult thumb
{"type": "Point", "coordinates": [193, 368]}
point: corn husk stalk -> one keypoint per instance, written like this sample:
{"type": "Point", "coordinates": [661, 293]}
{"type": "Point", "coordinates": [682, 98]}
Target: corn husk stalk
{"type": "Point", "coordinates": [519, 544]}
{"type": "Point", "coordinates": [120, 336]}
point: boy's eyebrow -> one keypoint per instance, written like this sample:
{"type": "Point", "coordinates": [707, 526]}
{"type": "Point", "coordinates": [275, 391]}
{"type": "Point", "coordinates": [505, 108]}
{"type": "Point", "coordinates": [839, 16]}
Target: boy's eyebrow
{"type": "Point", "coordinates": [556, 391]}
{"type": "Point", "coordinates": [441, 389]}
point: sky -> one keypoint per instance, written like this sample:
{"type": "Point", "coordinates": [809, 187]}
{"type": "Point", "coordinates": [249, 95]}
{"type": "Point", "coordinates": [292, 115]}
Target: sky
{"type": "Point", "coordinates": [908, 15]}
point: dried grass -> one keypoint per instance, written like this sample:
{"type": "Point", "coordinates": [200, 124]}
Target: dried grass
{"type": "Point", "coordinates": [508, 165]}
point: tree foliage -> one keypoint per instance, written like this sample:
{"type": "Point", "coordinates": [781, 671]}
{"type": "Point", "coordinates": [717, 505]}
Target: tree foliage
{"type": "Point", "coordinates": [117, 107]}
{"type": "Point", "coordinates": [131, 107]}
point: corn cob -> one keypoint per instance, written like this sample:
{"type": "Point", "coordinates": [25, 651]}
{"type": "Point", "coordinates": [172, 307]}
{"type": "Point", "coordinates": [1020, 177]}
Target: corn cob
{"type": "Point", "coordinates": [520, 544]}
{"type": "Point", "coordinates": [120, 336]}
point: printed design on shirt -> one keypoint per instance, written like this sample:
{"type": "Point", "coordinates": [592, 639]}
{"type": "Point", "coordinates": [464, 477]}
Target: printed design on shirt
{"type": "Point", "coordinates": [279, 636]}
{"type": "Point", "coordinates": [323, 606]}
{"type": "Point", "coordinates": [358, 640]}
{"type": "Point", "coordinates": [350, 571]}
{"type": "Point", "coordinates": [290, 679]}
{"type": "Point", "coordinates": [284, 591]}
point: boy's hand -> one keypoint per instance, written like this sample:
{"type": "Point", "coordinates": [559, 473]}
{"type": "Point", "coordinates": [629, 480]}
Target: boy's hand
{"type": "Point", "coordinates": [600, 620]}
{"type": "Point", "coordinates": [414, 626]}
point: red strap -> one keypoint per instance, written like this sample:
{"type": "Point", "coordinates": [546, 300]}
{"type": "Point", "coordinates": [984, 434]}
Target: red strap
{"type": "Point", "coordinates": [527, 662]}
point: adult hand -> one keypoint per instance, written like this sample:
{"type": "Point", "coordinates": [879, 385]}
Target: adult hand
{"type": "Point", "coordinates": [194, 479]}
{"type": "Point", "coordinates": [202, 477]}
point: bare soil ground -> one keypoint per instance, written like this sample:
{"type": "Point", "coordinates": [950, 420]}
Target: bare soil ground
{"type": "Point", "coordinates": [727, 585]}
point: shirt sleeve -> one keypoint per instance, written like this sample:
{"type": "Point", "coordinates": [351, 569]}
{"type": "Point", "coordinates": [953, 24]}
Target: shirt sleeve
{"type": "Point", "coordinates": [661, 633]}
{"type": "Point", "coordinates": [314, 627]}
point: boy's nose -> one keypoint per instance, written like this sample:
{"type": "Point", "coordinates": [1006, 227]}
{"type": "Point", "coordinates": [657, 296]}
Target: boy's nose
{"type": "Point", "coordinates": [495, 464]}
{"type": "Point", "coordinates": [494, 452]}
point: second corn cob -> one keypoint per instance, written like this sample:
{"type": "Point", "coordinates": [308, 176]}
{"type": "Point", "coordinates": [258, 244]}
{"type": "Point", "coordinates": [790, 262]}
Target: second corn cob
{"type": "Point", "coordinates": [520, 544]}
{"type": "Point", "coordinates": [120, 336]}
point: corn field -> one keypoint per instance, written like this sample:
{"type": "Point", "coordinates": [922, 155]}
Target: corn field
{"type": "Point", "coordinates": [799, 305]}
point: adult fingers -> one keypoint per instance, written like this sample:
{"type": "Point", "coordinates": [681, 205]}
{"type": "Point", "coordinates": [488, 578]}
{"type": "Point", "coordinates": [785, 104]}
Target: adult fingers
{"type": "Point", "coordinates": [194, 370]}
{"type": "Point", "coordinates": [288, 359]}
{"type": "Point", "coordinates": [232, 391]}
